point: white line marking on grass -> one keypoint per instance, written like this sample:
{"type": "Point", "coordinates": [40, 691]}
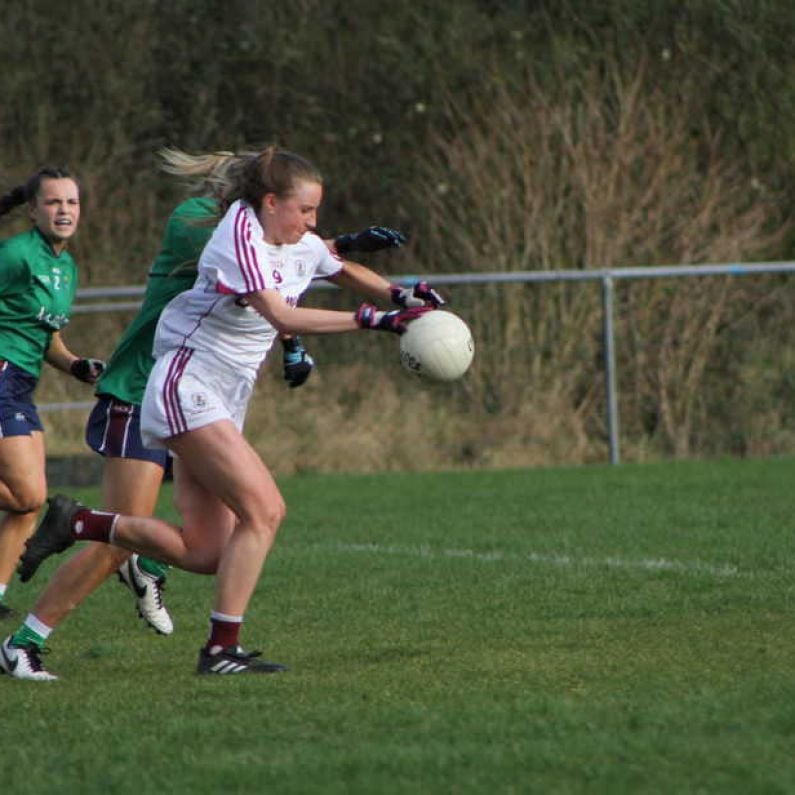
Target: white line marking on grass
{"type": "Point", "coordinates": [642, 564]}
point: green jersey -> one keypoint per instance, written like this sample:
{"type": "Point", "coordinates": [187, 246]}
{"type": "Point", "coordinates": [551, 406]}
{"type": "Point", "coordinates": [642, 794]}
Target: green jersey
{"type": "Point", "coordinates": [37, 288]}
{"type": "Point", "coordinates": [173, 271]}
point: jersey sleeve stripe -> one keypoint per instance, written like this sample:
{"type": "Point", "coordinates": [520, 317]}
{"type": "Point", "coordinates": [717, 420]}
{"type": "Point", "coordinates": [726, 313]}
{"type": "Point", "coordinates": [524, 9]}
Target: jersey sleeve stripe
{"type": "Point", "coordinates": [240, 242]}
{"type": "Point", "coordinates": [246, 254]}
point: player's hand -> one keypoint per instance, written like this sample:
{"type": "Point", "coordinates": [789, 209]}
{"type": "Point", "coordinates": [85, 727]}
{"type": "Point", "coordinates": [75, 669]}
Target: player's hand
{"type": "Point", "coordinates": [87, 370]}
{"type": "Point", "coordinates": [375, 238]}
{"type": "Point", "coordinates": [297, 362]}
{"type": "Point", "coordinates": [418, 294]}
{"type": "Point", "coordinates": [370, 317]}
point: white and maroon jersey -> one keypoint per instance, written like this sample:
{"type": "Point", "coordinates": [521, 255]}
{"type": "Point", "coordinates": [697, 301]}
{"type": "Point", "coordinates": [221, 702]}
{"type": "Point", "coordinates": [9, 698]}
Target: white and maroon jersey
{"type": "Point", "coordinates": [213, 316]}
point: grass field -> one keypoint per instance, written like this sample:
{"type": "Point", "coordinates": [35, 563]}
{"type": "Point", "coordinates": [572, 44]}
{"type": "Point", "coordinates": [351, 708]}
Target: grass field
{"type": "Point", "coordinates": [590, 630]}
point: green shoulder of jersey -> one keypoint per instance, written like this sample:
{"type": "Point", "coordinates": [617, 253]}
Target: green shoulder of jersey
{"type": "Point", "coordinates": [173, 271]}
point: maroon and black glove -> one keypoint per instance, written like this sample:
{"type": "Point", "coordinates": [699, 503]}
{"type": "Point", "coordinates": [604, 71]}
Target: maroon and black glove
{"type": "Point", "coordinates": [369, 316]}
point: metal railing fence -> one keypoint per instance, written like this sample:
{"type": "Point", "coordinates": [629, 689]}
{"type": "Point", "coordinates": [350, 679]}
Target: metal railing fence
{"type": "Point", "coordinates": [95, 299]}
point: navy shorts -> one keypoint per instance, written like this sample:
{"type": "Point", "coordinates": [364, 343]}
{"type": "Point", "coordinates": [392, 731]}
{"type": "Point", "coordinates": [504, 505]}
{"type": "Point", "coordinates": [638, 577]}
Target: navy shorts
{"type": "Point", "coordinates": [114, 430]}
{"type": "Point", "coordinates": [18, 415]}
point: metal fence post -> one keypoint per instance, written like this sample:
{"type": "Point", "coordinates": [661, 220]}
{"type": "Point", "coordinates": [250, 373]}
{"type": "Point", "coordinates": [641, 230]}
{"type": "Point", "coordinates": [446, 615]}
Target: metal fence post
{"type": "Point", "coordinates": [608, 346]}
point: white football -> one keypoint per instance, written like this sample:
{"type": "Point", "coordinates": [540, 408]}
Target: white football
{"type": "Point", "coordinates": [437, 345]}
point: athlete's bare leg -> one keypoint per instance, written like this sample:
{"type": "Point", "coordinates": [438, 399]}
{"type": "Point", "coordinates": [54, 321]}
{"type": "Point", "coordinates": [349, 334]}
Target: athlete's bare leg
{"type": "Point", "coordinates": [128, 486]}
{"type": "Point", "coordinates": [23, 489]}
{"type": "Point", "coordinates": [220, 475]}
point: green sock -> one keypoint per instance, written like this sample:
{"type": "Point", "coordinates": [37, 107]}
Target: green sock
{"type": "Point", "coordinates": [153, 567]}
{"type": "Point", "coordinates": [25, 635]}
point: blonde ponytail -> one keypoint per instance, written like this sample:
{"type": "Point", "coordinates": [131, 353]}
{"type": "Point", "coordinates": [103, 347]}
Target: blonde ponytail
{"type": "Point", "coordinates": [211, 173]}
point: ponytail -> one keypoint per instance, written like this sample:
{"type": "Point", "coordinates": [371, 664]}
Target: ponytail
{"type": "Point", "coordinates": [211, 174]}
{"type": "Point", "coordinates": [228, 176]}
{"type": "Point", "coordinates": [29, 190]}
{"type": "Point", "coordinates": [13, 198]}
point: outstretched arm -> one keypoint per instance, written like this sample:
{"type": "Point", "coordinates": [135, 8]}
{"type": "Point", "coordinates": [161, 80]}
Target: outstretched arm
{"type": "Point", "coordinates": [362, 280]}
{"type": "Point", "coordinates": [288, 319]}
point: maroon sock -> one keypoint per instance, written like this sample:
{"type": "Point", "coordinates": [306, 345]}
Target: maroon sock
{"type": "Point", "coordinates": [91, 525]}
{"type": "Point", "coordinates": [224, 630]}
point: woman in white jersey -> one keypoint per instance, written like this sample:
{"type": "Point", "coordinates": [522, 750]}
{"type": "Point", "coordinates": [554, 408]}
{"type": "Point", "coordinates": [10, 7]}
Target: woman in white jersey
{"type": "Point", "coordinates": [210, 343]}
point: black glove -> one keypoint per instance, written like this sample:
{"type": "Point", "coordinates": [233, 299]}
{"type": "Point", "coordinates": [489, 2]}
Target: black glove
{"type": "Point", "coordinates": [297, 362]}
{"type": "Point", "coordinates": [370, 317]}
{"type": "Point", "coordinates": [373, 239]}
{"type": "Point", "coordinates": [418, 294]}
{"type": "Point", "coordinates": [88, 370]}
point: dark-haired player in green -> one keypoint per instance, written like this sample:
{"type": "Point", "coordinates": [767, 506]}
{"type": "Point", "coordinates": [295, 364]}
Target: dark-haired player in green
{"type": "Point", "coordinates": [38, 280]}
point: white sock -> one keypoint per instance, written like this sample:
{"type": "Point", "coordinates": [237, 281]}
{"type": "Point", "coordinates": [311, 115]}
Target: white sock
{"type": "Point", "coordinates": [39, 627]}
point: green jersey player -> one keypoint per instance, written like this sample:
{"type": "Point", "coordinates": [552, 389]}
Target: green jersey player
{"type": "Point", "coordinates": [132, 473]}
{"type": "Point", "coordinates": [38, 280]}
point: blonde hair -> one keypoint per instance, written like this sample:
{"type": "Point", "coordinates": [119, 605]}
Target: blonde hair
{"type": "Point", "coordinates": [213, 174]}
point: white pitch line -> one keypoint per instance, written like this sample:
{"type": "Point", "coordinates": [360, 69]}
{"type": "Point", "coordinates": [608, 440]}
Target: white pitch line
{"type": "Point", "coordinates": [642, 564]}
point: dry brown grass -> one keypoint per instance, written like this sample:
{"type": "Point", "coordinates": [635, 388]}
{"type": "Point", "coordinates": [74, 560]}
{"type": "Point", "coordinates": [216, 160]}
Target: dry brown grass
{"type": "Point", "coordinates": [604, 171]}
